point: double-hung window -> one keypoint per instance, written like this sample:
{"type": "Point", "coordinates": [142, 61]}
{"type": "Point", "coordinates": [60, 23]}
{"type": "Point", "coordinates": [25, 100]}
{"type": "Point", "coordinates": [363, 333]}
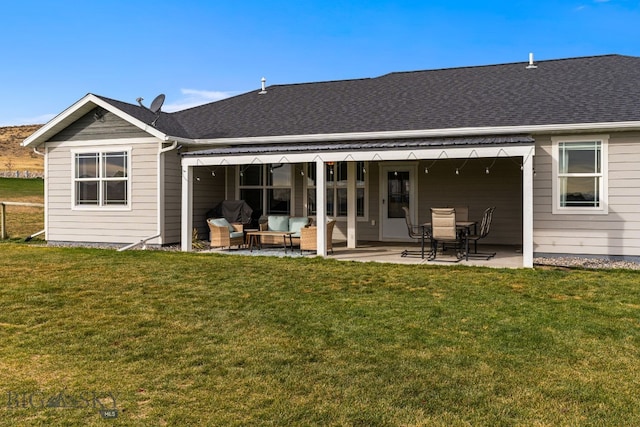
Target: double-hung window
{"type": "Point", "coordinates": [580, 175]}
{"type": "Point", "coordinates": [101, 179]}
{"type": "Point", "coordinates": [266, 187]}
{"type": "Point", "coordinates": [336, 187]}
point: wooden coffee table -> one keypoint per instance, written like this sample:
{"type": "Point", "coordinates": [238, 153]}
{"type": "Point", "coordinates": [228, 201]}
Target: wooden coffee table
{"type": "Point", "coordinates": [254, 238]}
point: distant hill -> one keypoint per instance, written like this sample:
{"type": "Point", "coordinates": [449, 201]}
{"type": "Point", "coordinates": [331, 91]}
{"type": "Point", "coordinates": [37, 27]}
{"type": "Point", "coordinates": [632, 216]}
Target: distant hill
{"type": "Point", "coordinates": [13, 156]}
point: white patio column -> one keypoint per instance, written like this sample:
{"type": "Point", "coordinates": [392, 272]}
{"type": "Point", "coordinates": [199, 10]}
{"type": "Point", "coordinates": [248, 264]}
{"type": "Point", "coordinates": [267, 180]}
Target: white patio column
{"type": "Point", "coordinates": [527, 212]}
{"type": "Point", "coordinates": [321, 207]}
{"type": "Point", "coordinates": [352, 207]}
{"type": "Point", "coordinates": [187, 209]}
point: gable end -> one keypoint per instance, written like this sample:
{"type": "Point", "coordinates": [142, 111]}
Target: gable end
{"type": "Point", "coordinates": [98, 124]}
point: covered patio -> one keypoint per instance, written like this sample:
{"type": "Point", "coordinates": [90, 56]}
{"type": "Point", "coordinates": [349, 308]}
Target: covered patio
{"type": "Point", "coordinates": [390, 252]}
{"type": "Point", "coordinates": [506, 256]}
{"type": "Point", "coordinates": [386, 154]}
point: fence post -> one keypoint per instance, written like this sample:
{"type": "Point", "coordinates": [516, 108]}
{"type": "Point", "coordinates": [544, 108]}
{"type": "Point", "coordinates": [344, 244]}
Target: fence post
{"type": "Point", "coordinates": [3, 222]}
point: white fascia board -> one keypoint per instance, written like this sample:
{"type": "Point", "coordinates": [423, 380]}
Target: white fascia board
{"type": "Point", "coordinates": [434, 153]}
{"type": "Point", "coordinates": [69, 115]}
{"type": "Point", "coordinates": [424, 133]}
{"type": "Point", "coordinates": [34, 139]}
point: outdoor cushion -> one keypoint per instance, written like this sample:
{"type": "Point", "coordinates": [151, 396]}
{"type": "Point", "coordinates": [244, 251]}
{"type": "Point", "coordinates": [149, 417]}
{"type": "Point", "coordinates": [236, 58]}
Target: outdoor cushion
{"type": "Point", "coordinates": [222, 222]}
{"type": "Point", "coordinates": [235, 234]}
{"type": "Point", "coordinates": [296, 223]}
{"type": "Point", "coordinates": [278, 223]}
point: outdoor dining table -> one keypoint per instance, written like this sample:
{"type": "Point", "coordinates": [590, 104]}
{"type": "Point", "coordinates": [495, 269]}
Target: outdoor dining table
{"type": "Point", "coordinates": [462, 225]}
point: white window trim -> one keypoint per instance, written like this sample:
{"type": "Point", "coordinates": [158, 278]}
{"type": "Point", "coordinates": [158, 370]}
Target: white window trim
{"type": "Point", "coordinates": [603, 209]}
{"type": "Point", "coordinates": [364, 218]}
{"type": "Point", "coordinates": [100, 150]}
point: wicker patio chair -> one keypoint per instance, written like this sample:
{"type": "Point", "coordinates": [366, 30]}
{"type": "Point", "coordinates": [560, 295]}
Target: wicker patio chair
{"type": "Point", "coordinates": [224, 234]}
{"type": "Point", "coordinates": [309, 237]}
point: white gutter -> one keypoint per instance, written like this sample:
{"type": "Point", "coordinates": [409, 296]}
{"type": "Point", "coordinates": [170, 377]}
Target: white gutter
{"type": "Point", "coordinates": [160, 186]}
{"type": "Point", "coordinates": [169, 148]}
{"type": "Point", "coordinates": [422, 133]}
{"type": "Point", "coordinates": [46, 194]}
{"type": "Point", "coordinates": [179, 139]}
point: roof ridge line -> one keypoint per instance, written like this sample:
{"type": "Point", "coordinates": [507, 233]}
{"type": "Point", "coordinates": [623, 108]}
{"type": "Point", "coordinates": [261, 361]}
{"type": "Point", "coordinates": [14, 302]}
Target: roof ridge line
{"type": "Point", "coordinates": [463, 67]}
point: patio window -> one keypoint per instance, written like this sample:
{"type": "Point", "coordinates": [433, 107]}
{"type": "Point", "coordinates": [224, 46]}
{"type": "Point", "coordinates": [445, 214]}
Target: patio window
{"type": "Point", "coordinates": [580, 176]}
{"type": "Point", "coordinates": [101, 179]}
{"type": "Point", "coordinates": [266, 187]}
{"type": "Point", "coordinates": [336, 186]}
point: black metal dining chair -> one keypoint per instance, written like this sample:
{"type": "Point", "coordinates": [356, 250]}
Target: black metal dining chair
{"type": "Point", "coordinates": [416, 232]}
{"type": "Point", "coordinates": [485, 227]}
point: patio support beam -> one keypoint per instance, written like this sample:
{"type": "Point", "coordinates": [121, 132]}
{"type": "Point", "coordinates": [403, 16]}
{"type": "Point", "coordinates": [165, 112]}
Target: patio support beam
{"type": "Point", "coordinates": [187, 208]}
{"type": "Point", "coordinates": [432, 153]}
{"type": "Point", "coordinates": [352, 208]}
{"type": "Point", "coordinates": [527, 211]}
{"type": "Point", "coordinates": [321, 207]}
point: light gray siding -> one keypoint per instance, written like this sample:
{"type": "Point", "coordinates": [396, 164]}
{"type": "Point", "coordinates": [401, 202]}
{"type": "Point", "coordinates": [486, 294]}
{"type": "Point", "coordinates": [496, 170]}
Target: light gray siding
{"type": "Point", "coordinates": [67, 223]}
{"type": "Point", "coordinates": [172, 197]}
{"type": "Point", "coordinates": [614, 234]}
{"type": "Point", "coordinates": [90, 127]}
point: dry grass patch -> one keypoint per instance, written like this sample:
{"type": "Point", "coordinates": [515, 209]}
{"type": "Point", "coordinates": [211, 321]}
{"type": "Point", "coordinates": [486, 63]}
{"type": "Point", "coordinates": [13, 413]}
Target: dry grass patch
{"type": "Point", "coordinates": [15, 157]}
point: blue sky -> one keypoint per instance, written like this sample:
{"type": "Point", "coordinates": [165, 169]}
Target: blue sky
{"type": "Point", "coordinates": [54, 53]}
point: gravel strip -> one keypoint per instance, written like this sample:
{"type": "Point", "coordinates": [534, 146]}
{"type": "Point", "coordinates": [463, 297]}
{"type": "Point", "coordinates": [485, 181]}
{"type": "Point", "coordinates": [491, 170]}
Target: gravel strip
{"type": "Point", "coordinates": [576, 262]}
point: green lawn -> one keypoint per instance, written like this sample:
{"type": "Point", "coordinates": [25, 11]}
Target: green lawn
{"type": "Point", "coordinates": [12, 189]}
{"type": "Point", "coordinates": [208, 339]}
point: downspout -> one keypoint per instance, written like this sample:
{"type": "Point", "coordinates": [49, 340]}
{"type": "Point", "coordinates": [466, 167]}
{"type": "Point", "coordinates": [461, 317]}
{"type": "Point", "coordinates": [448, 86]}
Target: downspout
{"type": "Point", "coordinates": [160, 199]}
{"type": "Point", "coordinates": [160, 218]}
{"type": "Point", "coordinates": [46, 197]}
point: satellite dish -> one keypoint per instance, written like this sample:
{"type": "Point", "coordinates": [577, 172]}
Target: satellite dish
{"type": "Point", "coordinates": [156, 104]}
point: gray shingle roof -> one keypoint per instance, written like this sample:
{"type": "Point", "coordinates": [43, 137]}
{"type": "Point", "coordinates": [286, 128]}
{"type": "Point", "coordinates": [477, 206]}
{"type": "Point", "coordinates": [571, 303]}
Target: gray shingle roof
{"type": "Point", "coordinates": [567, 91]}
{"type": "Point", "coordinates": [166, 123]}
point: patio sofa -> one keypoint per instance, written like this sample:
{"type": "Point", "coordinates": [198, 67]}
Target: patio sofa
{"type": "Point", "coordinates": [283, 223]}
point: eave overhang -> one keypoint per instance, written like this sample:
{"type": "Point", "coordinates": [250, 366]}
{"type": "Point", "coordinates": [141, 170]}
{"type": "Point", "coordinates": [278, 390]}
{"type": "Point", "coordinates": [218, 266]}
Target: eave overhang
{"type": "Point", "coordinates": [423, 133]}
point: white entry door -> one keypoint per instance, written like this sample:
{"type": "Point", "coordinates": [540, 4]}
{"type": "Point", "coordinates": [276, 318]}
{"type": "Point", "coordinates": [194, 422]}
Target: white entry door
{"type": "Point", "coordinates": [397, 190]}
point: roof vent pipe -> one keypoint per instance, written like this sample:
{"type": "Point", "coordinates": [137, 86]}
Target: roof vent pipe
{"type": "Point", "coordinates": [264, 90]}
{"type": "Point", "coordinates": [531, 64]}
